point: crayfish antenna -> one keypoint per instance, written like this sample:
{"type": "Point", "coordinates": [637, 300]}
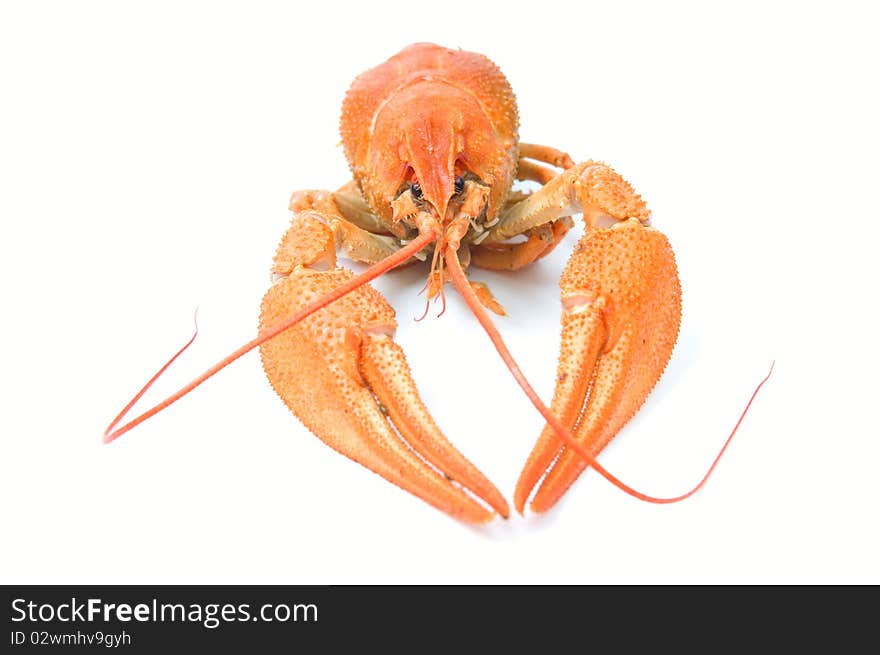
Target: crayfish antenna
{"type": "Point", "coordinates": [108, 435]}
{"type": "Point", "coordinates": [393, 260]}
{"type": "Point", "coordinates": [459, 280]}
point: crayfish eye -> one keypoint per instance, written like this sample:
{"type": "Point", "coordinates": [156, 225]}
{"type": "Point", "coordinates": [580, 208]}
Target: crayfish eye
{"type": "Point", "coordinates": [416, 190]}
{"type": "Point", "coordinates": [459, 185]}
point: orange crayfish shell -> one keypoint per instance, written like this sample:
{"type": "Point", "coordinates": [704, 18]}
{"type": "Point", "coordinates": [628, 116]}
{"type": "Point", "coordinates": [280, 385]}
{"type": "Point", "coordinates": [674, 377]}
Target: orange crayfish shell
{"type": "Point", "coordinates": [429, 114]}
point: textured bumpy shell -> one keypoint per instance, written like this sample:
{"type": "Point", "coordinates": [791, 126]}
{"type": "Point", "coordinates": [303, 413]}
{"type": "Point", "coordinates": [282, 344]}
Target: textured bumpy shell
{"type": "Point", "coordinates": [430, 113]}
{"type": "Point", "coordinates": [341, 373]}
{"type": "Point", "coordinates": [327, 368]}
{"type": "Point", "coordinates": [623, 303]}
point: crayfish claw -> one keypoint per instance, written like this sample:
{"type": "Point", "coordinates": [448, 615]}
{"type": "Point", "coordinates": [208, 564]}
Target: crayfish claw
{"type": "Point", "coordinates": [621, 314]}
{"type": "Point", "coordinates": [344, 377]}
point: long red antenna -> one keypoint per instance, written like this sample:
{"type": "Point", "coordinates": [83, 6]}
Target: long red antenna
{"type": "Point", "coordinates": [460, 281]}
{"type": "Point", "coordinates": [371, 273]}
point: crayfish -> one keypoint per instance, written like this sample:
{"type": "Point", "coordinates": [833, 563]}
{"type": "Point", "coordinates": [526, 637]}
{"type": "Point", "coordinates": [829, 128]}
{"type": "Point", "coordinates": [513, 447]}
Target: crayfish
{"type": "Point", "coordinates": [431, 136]}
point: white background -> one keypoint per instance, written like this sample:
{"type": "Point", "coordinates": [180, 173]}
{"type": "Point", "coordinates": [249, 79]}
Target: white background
{"type": "Point", "coordinates": [148, 151]}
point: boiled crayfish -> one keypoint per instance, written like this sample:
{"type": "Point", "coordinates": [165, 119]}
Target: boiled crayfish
{"type": "Point", "coordinates": [431, 138]}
